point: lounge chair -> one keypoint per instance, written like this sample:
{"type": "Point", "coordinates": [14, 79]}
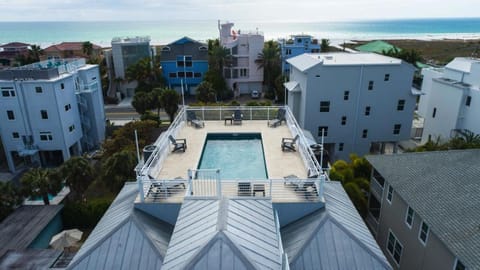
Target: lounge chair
{"type": "Point", "coordinates": [194, 120]}
{"type": "Point", "coordinates": [178, 144]}
{"type": "Point", "coordinates": [244, 189]}
{"type": "Point", "coordinates": [237, 117]}
{"type": "Point", "coordinates": [277, 121]}
{"type": "Point", "coordinates": [289, 143]}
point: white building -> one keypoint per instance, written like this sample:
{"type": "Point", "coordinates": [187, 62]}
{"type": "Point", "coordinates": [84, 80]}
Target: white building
{"type": "Point", "coordinates": [242, 75]}
{"type": "Point", "coordinates": [50, 111]}
{"type": "Point", "coordinates": [125, 52]}
{"type": "Point", "coordinates": [362, 101]}
{"type": "Point", "coordinates": [449, 98]}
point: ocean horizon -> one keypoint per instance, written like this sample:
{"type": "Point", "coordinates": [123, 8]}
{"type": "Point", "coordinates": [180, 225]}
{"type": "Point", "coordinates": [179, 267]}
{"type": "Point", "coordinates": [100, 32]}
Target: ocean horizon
{"type": "Point", "coordinates": [166, 31]}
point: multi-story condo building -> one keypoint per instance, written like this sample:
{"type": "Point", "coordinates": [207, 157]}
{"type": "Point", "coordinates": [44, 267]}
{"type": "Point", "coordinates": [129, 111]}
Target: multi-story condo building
{"type": "Point", "coordinates": [124, 53]}
{"type": "Point", "coordinates": [295, 46]}
{"type": "Point", "coordinates": [50, 111]}
{"type": "Point", "coordinates": [241, 215]}
{"type": "Point", "coordinates": [449, 99]}
{"type": "Point", "coordinates": [10, 51]}
{"type": "Point", "coordinates": [184, 62]}
{"type": "Point", "coordinates": [361, 101]}
{"type": "Point", "coordinates": [242, 74]}
{"type": "Point", "coordinates": [424, 209]}
{"type": "Point", "coordinates": [69, 50]}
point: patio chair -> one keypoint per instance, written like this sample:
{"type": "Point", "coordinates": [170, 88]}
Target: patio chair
{"type": "Point", "coordinates": [277, 121]}
{"type": "Point", "coordinates": [194, 120]}
{"type": "Point", "coordinates": [289, 144]}
{"type": "Point", "coordinates": [237, 117]}
{"type": "Point", "coordinates": [244, 189]}
{"type": "Point", "coordinates": [178, 144]}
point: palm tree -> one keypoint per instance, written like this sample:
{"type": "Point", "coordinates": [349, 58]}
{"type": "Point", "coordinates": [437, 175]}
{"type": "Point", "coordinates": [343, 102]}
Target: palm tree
{"type": "Point", "coordinates": [87, 48]}
{"type": "Point", "coordinates": [34, 53]}
{"type": "Point", "coordinates": [269, 60]}
{"type": "Point", "coordinates": [38, 182]}
{"type": "Point", "coordinates": [78, 174]}
{"type": "Point", "coordinates": [142, 102]}
{"type": "Point", "coordinates": [119, 168]}
{"type": "Point", "coordinates": [10, 197]}
{"type": "Point", "coordinates": [169, 99]}
{"type": "Point", "coordinates": [140, 71]}
{"type": "Point", "coordinates": [325, 45]}
{"type": "Point", "coordinates": [205, 92]}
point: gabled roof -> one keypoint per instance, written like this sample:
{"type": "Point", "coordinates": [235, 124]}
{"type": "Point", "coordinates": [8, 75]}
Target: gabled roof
{"type": "Point", "coordinates": [15, 45]}
{"type": "Point", "coordinates": [243, 227]}
{"type": "Point", "coordinates": [442, 187]}
{"type": "Point", "coordinates": [23, 226]}
{"type": "Point", "coordinates": [332, 238]}
{"type": "Point", "coordinates": [292, 86]}
{"type": "Point", "coordinates": [303, 62]}
{"type": "Point", "coordinates": [125, 238]}
{"type": "Point", "coordinates": [184, 40]}
{"type": "Point", "coordinates": [377, 46]}
{"type": "Point", "coordinates": [463, 64]}
{"type": "Point", "coordinates": [69, 46]}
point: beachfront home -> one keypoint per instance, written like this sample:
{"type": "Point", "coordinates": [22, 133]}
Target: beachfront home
{"type": "Point", "coordinates": [184, 62]}
{"type": "Point", "coordinates": [10, 51]}
{"type": "Point", "coordinates": [242, 74]}
{"type": "Point", "coordinates": [449, 99]}
{"type": "Point", "coordinates": [50, 111]}
{"type": "Point", "coordinates": [361, 101]}
{"type": "Point", "coordinates": [69, 50]}
{"type": "Point", "coordinates": [423, 209]}
{"type": "Point", "coordinates": [124, 53]}
{"type": "Point", "coordinates": [294, 46]}
{"type": "Point", "coordinates": [225, 195]}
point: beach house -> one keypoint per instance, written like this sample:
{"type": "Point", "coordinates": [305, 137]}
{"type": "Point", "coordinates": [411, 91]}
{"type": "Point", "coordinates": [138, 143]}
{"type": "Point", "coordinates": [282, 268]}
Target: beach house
{"type": "Point", "coordinates": [242, 74]}
{"type": "Point", "coordinates": [294, 46]}
{"type": "Point", "coordinates": [184, 62]}
{"type": "Point", "coordinates": [50, 111]}
{"type": "Point", "coordinates": [448, 99]}
{"type": "Point", "coordinates": [423, 209]}
{"type": "Point", "coordinates": [10, 51]}
{"type": "Point", "coordinates": [360, 102]}
{"type": "Point", "coordinates": [69, 50]}
{"type": "Point", "coordinates": [231, 188]}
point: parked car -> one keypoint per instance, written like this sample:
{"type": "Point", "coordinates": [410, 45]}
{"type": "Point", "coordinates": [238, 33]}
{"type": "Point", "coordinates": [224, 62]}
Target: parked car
{"type": "Point", "coordinates": [255, 94]}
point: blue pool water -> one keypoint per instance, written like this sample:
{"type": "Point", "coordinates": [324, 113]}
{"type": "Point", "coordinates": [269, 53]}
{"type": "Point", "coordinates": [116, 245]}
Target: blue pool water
{"type": "Point", "coordinates": [237, 155]}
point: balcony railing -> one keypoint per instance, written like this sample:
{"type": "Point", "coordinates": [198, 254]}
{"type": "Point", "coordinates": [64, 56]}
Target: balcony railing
{"type": "Point", "coordinates": [372, 221]}
{"type": "Point", "coordinates": [376, 188]}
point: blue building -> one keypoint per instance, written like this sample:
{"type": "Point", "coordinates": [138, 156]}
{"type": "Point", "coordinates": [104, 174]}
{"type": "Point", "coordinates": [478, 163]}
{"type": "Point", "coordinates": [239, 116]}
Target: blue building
{"type": "Point", "coordinates": [184, 60]}
{"type": "Point", "coordinates": [296, 45]}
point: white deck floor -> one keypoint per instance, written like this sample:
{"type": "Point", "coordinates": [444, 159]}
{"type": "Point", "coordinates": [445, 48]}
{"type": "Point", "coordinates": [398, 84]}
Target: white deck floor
{"type": "Point", "coordinates": [279, 163]}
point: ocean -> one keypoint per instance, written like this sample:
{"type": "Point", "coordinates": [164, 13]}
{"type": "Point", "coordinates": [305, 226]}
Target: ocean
{"type": "Point", "coordinates": [162, 32]}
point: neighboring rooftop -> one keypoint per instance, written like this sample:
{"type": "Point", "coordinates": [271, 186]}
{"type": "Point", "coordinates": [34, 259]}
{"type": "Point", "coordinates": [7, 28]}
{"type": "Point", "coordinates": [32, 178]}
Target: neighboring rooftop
{"type": "Point", "coordinates": [377, 46]}
{"type": "Point", "coordinates": [23, 226]}
{"type": "Point", "coordinates": [463, 64]}
{"type": "Point", "coordinates": [438, 185]}
{"type": "Point", "coordinates": [131, 40]}
{"type": "Point", "coordinates": [43, 70]}
{"type": "Point", "coordinates": [31, 259]}
{"type": "Point", "coordinates": [15, 45]}
{"type": "Point", "coordinates": [69, 46]}
{"type": "Point", "coordinates": [309, 60]}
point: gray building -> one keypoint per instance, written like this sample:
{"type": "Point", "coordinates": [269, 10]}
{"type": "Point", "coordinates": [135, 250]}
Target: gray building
{"type": "Point", "coordinates": [50, 111]}
{"type": "Point", "coordinates": [424, 209]}
{"type": "Point", "coordinates": [361, 100]}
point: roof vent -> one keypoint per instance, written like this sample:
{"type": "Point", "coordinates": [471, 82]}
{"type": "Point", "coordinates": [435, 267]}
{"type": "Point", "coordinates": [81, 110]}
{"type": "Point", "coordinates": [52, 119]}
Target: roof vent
{"type": "Point", "coordinates": [329, 57]}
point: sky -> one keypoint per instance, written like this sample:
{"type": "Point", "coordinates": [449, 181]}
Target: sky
{"type": "Point", "coordinates": [257, 10]}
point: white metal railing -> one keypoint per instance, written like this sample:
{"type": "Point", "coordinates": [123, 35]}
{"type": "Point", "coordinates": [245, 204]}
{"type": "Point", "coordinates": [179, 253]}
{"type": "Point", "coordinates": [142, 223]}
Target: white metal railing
{"type": "Point", "coordinates": [204, 183]}
{"type": "Point", "coordinates": [157, 190]}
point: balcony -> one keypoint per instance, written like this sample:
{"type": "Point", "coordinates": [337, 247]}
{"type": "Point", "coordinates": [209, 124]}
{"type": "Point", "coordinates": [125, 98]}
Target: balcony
{"type": "Point", "coordinates": [376, 188]}
{"type": "Point", "coordinates": [372, 219]}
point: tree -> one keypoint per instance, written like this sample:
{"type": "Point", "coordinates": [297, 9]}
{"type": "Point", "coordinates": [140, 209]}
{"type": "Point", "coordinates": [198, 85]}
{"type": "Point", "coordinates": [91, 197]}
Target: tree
{"type": "Point", "coordinates": [325, 45]}
{"type": "Point", "coordinates": [119, 168]}
{"type": "Point", "coordinates": [410, 56]}
{"type": "Point", "coordinates": [10, 198]}
{"type": "Point", "coordinates": [169, 99]}
{"type": "Point", "coordinates": [38, 182]}
{"type": "Point", "coordinates": [205, 92]}
{"type": "Point", "coordinates": [142, 102]}
{"type": "Point", "coordinates": [87, 48]}
{"type": "Point", "coordinates": [78, 174]}
{"type": "Point", "coordinates": [140, 71]}
{"type": "Point", "coordinates": [34, 53]}
{"type": "Point", "coordinates": [218, 57]}
{"type": "Point", "coordinates": [269, 60]}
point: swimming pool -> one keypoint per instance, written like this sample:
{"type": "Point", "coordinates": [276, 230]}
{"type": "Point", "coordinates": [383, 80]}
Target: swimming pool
{"type": "Point", "coordinates": [237, 155]}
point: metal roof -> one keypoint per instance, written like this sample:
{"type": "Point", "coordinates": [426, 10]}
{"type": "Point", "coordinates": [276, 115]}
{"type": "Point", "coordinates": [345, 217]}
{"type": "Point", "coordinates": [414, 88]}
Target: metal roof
{"type": "Point", "coordinates": [463, 64]}
{"type": "Point", "coordinates": [443, 189]}
{"type": "Point", "coordinates": [377, 46]}
{"type": "Point", "coordinates": [303, 62]}
{"type": "Point", "coordinates": [244, 229]}
{"type": "Point", "coordinates": [332, 238]}
{"type": "Point", "coordinates": [125, 238]}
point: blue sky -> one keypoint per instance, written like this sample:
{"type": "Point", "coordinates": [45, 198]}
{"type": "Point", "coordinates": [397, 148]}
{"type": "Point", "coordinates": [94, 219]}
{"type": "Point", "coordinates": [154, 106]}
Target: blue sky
{"type": "Point", "coordinates": [259, 10]}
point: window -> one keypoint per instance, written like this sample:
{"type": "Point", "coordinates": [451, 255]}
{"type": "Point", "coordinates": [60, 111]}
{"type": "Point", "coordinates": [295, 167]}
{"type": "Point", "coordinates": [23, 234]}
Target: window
{"type": "Point", "coordinates": [387, 77]}
{"type": "Point", "coordinates": [409, 217]}
{"type": "Point", "coordinates": [468, 101]}
{"type": "Point", "coordinates": [390, 194]}
{"type": "Point", "coordinates": [44, 114]}
{"type": "Point", "coordinates": [394, 247]}
{"type": "Point", "coordinates": [344, 120]}
{"type": "Point", "coordinates": [188, 61]}
{"type": "Point", "coordinates": [345, 95]}
{"type": "Point", "coordinates": [94, 78]}
{"type": "Point", "coordinates": [172, 75]}
{"type": "Point", "coordinates": [5, 93]}
{"type": "Point", "coordinates": [459, 265]}
{"type": "Point", "coordinates": [181, 74]}
{"type": "Point", "coordinates": [38, 89]}
{"type": "Point", "coordinates": [71, 128]}
{"type": "Point", "coordinates": [288, 51]}
{"type": "Point", "coordinates": [423, 234]}
{"type": "Point", "coordinates": [46, 136]}
{"type": "Point", "coordinates": [15, 135]}
{"type": "Point", "coordinates": [367, 110]}
{"type": "Point", "coordinates": [340, 147]}
{"type": "Point", "coordinates": [243, 72]}
{"type": "Point", "coordinates": [434, 112]}
{"type": "Point", "coordinates": [401, 104]}
{"type": "Point", "coordinates": [396, 129]}
{"type": "Point", "coordinates": [197, 75]}
{"type": "Point", "coordinates": [324, 106]}
{"type": "Point", "coordinates": [180, 62]}
{"type": "Point", "coordinates": [62, 86]}
{"type": "Point", "coordinates": [68, 107]}
{"type": "Point", "coordinates": [12, 93]}
{"type": "Point", "coordinates": [370, 85]}
{"type": "Point", "coordinates": [325, 131]}
{"type": "Point", "coordinates": [189, 74]}
{"type": "Point", "coordinates": [365, 133]}
{"type": "Point", "coordinates": [10, 115]}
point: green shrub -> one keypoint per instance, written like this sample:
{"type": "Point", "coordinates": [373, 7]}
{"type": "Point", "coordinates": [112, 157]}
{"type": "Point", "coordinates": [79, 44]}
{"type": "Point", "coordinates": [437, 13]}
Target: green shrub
{"type": "Point", "coordinates": [84, 214]}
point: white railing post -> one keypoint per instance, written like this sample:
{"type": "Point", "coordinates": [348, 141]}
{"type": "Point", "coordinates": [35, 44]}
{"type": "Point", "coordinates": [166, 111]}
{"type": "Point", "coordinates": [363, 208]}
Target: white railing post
{"type": "Point", "coordinates": [140, 188]}
{"type": "Point", "coordinates": [219, 184]}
